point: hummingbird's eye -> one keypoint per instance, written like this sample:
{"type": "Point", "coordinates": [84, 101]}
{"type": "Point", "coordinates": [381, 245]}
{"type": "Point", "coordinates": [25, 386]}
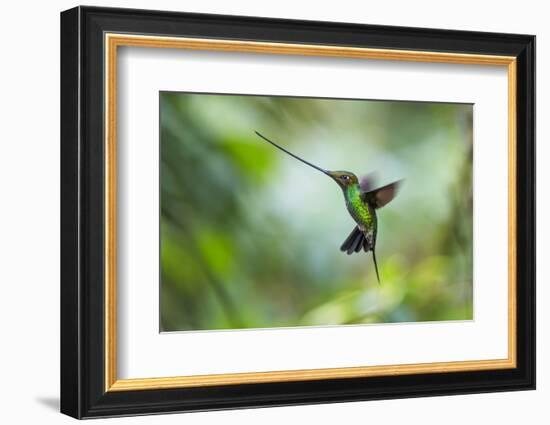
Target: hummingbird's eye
{"type": "Point", "coordinates": [345, 178]}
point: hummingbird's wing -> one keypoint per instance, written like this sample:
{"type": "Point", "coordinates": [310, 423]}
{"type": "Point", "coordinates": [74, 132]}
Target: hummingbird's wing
{"type": "Point", "coordinates": [383, 195]}
{"type": "Point", "coordinates": [367, 182]}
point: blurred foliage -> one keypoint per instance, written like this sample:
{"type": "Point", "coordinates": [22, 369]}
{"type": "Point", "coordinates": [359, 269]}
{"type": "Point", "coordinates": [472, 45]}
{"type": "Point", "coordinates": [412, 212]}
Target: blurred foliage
{"type": "Point", "coordinates": [250, 237]}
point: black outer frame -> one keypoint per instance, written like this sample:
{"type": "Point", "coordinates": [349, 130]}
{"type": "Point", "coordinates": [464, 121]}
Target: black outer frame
{"type": "Point", "coordinates": [82, 218]}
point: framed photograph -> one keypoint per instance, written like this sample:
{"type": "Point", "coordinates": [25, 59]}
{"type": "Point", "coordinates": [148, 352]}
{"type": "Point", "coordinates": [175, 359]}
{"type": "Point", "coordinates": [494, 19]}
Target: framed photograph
{"type": "Point", "coordinates": [261, 212]}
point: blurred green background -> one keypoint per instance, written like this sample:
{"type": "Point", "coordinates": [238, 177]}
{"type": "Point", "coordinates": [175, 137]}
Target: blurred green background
{"type": "Point", "coordinates": [250, 237]}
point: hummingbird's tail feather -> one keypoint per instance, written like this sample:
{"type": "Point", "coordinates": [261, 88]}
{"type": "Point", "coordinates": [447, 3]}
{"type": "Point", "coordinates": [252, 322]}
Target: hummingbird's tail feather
{"type": "Point", "coordinates": [357, 241]}
{"type": "Point", "coordinates": [357, 244]}
{"type": "Point", "coordinates": [354, 242]}
{"type": "Point", "coordinates": [350, 239]}
{"type": "Point", "coordinates": [375, 264]}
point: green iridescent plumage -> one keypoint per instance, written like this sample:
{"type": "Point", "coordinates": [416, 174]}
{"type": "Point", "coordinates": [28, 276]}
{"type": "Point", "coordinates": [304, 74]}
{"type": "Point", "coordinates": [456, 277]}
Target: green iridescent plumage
{"type": "Point", "coordinates": [361, 201]}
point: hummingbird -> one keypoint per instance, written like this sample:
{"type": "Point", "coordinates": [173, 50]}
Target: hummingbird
{"type": "Point", "coordinates": [362, 201]}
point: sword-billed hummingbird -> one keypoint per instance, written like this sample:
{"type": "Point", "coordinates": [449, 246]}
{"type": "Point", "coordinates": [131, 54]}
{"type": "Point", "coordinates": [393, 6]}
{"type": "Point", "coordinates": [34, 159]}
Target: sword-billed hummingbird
{"type": "Point", "coordinates": [361, 201]}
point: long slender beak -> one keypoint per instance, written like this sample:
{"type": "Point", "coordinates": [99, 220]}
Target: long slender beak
{"type": "Point", "coordinates": [294, 156]}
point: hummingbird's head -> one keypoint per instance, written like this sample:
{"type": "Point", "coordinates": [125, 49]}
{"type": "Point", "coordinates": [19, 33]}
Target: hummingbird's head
{"type": "Point", "coordinates": [343, 178]}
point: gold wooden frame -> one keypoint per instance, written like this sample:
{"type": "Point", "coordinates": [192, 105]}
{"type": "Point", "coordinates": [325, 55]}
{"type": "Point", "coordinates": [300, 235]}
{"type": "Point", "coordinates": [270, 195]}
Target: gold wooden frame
{"type": "Point", "coordinates": [113, 41]}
